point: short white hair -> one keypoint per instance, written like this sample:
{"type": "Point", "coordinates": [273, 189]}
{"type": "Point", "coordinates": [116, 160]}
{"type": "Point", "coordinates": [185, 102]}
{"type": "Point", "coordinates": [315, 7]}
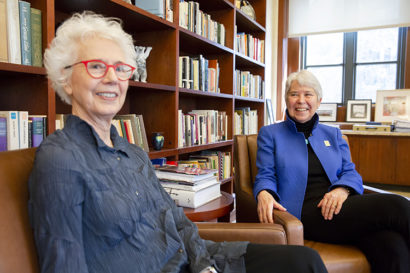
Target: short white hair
{"type": "Point", "coordinates": [304, 78]}
{"type": "Point", "coordinates": [63, 50]}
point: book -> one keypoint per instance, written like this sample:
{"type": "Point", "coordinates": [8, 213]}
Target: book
{"type": "Point", "coordinates": [3, 134]}
{"type": "Point", "coordinates": [156, 7]}
{"type": "Point", "coordinates": [13, 31]}
{"type": "Point", "coordinates": [4, 57]}
{"type": "Point", "coordinates": [25, 32]}
{"type": "Point", "coordinates": [12, 129]}
{"type": "Point", "coordinates": [38, 129]}
{"type": "Point", "coordinates": [36, 40]}
{"type": "Point", "coordinates": [182, 185]}
{"type": "Point", "coordinates": [143, 133]}
{"type": "Point", "coordinates": [170, 172]}
{"type": "Point", "coordinates": [23, 129]}
{"type": "Point", "coordinates": [194, 199]}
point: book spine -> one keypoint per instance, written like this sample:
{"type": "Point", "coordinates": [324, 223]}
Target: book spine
{"type": "Point", "coordinates": [12, 130]}
{"type": "Point", "coordinates": [13, 31]}
{"type": "Point", "coordinates": [37, 130]}
{"type": "Point", "coordinates": [3, 32]}
{"type": "Point", "coordinates": [25, 32]}
{"type": "Point", "coordinates": [36, 52]}
{"type": "Point", "coordinates": [23, 129]}
{"type": "Point", "coordinates": [3, 134]}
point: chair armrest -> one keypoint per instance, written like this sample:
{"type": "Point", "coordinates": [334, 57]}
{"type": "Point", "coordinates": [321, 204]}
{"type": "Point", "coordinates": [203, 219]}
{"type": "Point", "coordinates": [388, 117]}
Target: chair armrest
{"type": "Point", "coordinates": [292, 225]}
{"type": "Point", "coordinates": [368, 189]}
{"type": "Point", "coordinates": [254, 232]}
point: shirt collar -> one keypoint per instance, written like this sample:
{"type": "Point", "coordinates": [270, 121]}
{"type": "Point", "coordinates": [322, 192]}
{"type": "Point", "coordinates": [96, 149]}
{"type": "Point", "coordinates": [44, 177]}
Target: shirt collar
{"type": "Point", "coordinates": [292, 125]}
{"type": "Point", "coordinates": [86, 132]}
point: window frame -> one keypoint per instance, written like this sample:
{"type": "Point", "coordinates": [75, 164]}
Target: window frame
{"type": "Point", "coordinates": [349, 63]}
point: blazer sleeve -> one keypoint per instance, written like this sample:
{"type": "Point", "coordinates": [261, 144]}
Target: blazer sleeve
{"type": "Point", "coordinates": [348, 176]}
{"type": "Point", "coordinates": [265, 162]}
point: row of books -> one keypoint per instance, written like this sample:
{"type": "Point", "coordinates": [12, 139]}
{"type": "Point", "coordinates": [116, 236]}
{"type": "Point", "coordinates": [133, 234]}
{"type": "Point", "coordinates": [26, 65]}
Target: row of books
{"type": "Point", "coordinates": [202, 127]}
{"type": "Point", "coordinates": [248, 85]}
{"type": "Point", "coordinates": [19, 130]}
{"type": "Point", "coordinates": [245, 121]}
{"type": "Point", "coordinates": [199, 22]}
{"type": "Point", "coordinates": [20, 33]}
{"type": "Point", "coordinates": [199, 73]}
{"type": "Point", "coordinates": [130, 126]}
{"type": "Point", "coordinates": [161, 8]}
{"type": "Point", "coordinates": [189, 186]}
{"type": "Point", "coordinates": [250, 46]}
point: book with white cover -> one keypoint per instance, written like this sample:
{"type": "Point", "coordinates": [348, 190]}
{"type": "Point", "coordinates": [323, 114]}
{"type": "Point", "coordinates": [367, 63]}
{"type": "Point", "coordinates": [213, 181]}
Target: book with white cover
{"type": "Point", "coordinates": [188, 186]}
{"type": "Point", "coordinates": [23, 129]}
{"type": "Point", "coordinates": [192, 199]}
{"type": "Point", "coordinates": [13, 31]}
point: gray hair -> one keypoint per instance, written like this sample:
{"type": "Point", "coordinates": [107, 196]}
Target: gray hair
{"type": "Point", "coordinates": [78, 28]}
{"type": "Point", "coordinates": [304, 78]}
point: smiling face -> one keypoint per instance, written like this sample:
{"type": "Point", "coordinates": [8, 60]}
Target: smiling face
{"type": "Point", "coordinates": [96, 100]}
{"type": "Point", "coordinates": [301, 102]}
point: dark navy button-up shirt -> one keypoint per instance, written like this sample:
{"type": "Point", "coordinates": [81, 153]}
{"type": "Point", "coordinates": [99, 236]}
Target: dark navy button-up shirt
{"type": "Point", "coordinates": [97, 209]}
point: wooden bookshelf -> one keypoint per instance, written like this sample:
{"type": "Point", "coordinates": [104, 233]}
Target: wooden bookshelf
{"type": "Point", "coordinates": [158, 100]}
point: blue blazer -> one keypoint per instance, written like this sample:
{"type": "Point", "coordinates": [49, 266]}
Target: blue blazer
{"type": "Point", "coordinates": [282, 162]}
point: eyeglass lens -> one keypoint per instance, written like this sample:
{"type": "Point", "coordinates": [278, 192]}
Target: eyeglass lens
{"type": "Point", "coordinates": [98, 69]}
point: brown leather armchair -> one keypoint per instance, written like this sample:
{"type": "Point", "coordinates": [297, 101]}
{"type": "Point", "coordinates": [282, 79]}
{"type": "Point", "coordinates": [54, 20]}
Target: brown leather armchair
{"type": "Point", "coordinates": [337, 258]}
{"type": "Point", "coordinates": [17, 249]}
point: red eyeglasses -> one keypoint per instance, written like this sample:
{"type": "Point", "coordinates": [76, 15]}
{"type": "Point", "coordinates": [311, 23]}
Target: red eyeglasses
{"type": "Point", "coordinates": [97, 69]}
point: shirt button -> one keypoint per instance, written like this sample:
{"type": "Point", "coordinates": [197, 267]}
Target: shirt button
{"type": "Point", "coordinates": [180, 250]}
{"type": "Point", "coordinates": [136, 193]}
{"type": "Point", "coordinates": [118, 158]}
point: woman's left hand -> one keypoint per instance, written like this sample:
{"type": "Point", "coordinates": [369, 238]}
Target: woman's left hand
{"type": "Point", "coordinates": [332, 202]}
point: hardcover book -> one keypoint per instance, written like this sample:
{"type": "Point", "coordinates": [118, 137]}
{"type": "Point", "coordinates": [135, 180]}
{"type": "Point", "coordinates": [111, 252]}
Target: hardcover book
{"type": "Point", "coordinates": [3, 134]}
{"type": "Point", "coordinates": [13, 31]}
{"type": "Point", "coordinates": [194, 199]}
{"type": "Point", "coordinates": [176, 173]}
{"type": "Point", "coordinates": [38, 128]}
{"type": "Point", "coordinates": [12, 129]}
{"type": "Point", "coordinates": [36, 52]}
{"type": "Point", "coordinates": [25, 32]}
{"type": "Point", "coordinates": [3, 32]}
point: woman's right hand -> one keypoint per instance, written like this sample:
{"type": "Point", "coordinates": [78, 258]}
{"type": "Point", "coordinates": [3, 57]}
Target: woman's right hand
{"type": "Point", "coordinates": [266, 204]}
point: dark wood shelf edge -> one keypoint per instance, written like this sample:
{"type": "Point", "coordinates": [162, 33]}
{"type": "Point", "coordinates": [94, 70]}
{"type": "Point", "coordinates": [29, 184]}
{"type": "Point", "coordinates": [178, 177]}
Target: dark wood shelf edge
{"type": "Point", "coordinates": [155, 86]}
{"type": "Point", "coordinates": [249, 59]}
{"type": "Point", "coordinates": [162, 153]}
{"type": "Point", "coordinates": [226, 180]}
{"type": "Point", "coordinates": [205, 40]}
{"type": "Point", "coordinates": [19, 68]}
{"type": "Point", "coordinates": [197, 148]}
{"type": "Point", "coordinates": [249, 99]}
{"type": "Point", "coordinates": [204, 93]}
{"type": "Point", "coordinates": [249, 20]}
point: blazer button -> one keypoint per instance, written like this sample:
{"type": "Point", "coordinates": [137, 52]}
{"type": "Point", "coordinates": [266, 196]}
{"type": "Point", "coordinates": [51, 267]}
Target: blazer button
{"type": "Point", "coordinates": [180, 250]}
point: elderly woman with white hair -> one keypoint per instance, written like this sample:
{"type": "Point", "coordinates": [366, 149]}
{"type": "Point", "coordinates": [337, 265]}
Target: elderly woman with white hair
{"type": "Point", "coordinates": [305, 167]}
{"type": "Point", "coordinates": [95, 204]}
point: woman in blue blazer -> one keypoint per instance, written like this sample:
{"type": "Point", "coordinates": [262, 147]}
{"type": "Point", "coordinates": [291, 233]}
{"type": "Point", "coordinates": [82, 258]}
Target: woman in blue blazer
{"type": "Point", "coordinates": [305, 167]}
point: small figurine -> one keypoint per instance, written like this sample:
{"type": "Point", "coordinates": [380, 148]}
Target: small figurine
{"type": "Point", "coordinates": [140, 73]}
{"type": "Point", "coordinates": [127, 1]}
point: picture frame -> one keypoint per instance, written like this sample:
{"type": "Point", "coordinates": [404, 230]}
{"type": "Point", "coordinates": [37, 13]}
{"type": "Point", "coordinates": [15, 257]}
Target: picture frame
{"type": "Point", "coordinates": [269, 111]}
{"type": "Point", "coordinates": [392, 105]}
{"type": "Point", "coordinates": [327, 112]}
{"type": "Point", "coordinates": [358, 110]}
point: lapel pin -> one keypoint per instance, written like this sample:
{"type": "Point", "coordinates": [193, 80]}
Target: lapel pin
{"type": "Point", "coordinates": [327, 143]}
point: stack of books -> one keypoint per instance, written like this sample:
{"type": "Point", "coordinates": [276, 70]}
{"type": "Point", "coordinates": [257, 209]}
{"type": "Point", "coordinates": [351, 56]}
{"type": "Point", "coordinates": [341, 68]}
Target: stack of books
{"type": "Point", "coordinates": [189, 187]}
{"type": "Point", "coordinates": [401, 126]}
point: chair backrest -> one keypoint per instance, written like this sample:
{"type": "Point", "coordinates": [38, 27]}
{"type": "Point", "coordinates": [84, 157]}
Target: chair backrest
{"type": "Point", "coordinates": [245, 173]}
{"type": "Point", "coordinates": [17, 250]}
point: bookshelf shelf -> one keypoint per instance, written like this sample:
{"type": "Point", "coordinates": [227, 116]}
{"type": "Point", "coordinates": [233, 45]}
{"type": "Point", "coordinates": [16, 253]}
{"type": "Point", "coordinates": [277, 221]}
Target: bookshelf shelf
{"type": "Point", "coordinates": [9, 69]}
{"type": "Point", "coordinates": [196, 148]}
{"type": "Point", "coordinates": [160, 99]}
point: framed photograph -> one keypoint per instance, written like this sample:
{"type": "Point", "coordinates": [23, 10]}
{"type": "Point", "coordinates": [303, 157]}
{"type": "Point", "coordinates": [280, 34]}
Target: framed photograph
{"type": "Point", "coordinates": [269, 111]}
{"type": "Point", "coordinates": [358, 110]}
{"type": "Point", "coordinates": [327, 111]}
{"type": "Point", "coordinates": [392, 104]}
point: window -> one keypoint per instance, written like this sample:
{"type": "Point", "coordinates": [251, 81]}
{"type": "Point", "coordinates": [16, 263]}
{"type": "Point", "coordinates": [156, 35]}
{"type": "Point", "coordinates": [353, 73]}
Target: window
{"type": "Point", "coordinates": [355, 65]}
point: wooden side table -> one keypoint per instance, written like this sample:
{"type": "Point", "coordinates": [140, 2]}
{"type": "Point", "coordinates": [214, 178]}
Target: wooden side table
{"type": "Point", "coordinates": [219, 208]}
